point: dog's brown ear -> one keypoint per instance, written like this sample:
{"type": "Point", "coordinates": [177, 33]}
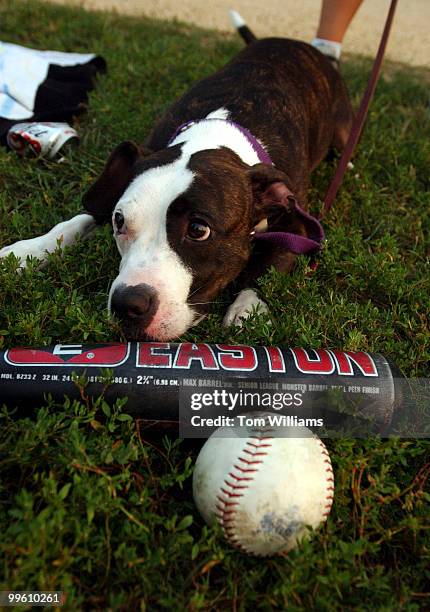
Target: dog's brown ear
{"type": "Point", "coordinates": [102, 196]}
{"type": "Point", "coordinates": [270, 190]}
{"type": "Point", "coordinates": [275, 203]}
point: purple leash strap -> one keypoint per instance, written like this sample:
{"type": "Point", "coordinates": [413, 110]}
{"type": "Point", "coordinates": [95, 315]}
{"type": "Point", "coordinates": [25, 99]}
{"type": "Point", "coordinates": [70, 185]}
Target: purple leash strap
{"type": "Point", "coordinates": [300, 245]}
{"type": "Point", "coordinates": [358, 124]}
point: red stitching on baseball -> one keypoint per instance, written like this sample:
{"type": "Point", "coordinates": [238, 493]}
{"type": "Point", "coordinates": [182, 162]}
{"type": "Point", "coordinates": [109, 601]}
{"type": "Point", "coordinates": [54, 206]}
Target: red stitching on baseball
{"type": "Point", "coordinates": [224, 498]}
{"type": "Point", "coordinates": [329, 478]}
{"type": "Point", "coordinates": [245, 450]}
{"type": "Point", "coordinates": [227, 516]}
{"type": "Point", "coordinates": [235, 486]}
{"type": "Point", "coordinates": [240, 477]}
{"type": "Point", "coordinates": [244, 470]}
{"type": "Point", "coordinates": [222, 512]}
{"type": "Point", "coordinates": [249, 462]}
{"type": "Point", "coordinates": [257, 446]}
{"type": "Point", "coordinates": [231, 494]}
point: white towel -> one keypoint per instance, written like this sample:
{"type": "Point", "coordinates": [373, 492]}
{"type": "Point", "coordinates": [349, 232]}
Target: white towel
{"type": "Point", "coordinates": [22, 71]}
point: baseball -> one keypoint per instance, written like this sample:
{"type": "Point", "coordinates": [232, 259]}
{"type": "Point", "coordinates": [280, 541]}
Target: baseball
{"type": "Point", "coordinates": [263, 485]}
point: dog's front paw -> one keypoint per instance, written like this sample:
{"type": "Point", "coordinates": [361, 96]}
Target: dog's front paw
{"type": "Point", "coordinates": [17, 250]}
{"type": "Point", "coordinates": [246, 304]}
{"type": "Point", "coordinates": [33, 247]}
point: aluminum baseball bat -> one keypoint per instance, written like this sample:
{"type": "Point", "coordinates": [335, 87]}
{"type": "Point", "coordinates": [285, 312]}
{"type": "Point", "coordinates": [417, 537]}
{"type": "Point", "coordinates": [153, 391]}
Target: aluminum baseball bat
{"type": "Point", "coordinates": [159, 378]}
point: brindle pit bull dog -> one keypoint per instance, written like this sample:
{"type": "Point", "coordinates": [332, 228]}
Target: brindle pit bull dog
{"type": "Point", "coordinates": [220, 166]}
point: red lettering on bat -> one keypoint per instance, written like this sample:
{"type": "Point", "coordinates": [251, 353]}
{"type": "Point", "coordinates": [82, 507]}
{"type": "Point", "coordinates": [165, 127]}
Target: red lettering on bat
{"type": "Point", "coordinates": [346, 359]}
{"type": "Point", "coordinates": [108, 356]}
{"type": "Point", "coordinates": [322, 363]}
{"type": "Point", "coordinates": [148, 355]}
{"type": "Point", "coordinates": [25, 356]}
{"type": "Point", "coordinates": [70, 354]}
{"type": "Point", "coordinates": [188, 352]}
{"type": "Point", "coordinates": [237, 358]}
{"type": "Point", "coordinates": [275, 359]}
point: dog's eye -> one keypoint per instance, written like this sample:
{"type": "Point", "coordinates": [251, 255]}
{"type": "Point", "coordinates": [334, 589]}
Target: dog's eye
{"type": "Point", "coordinates": [119, 220]}
{"type": "Point", "coordinates": [198, 230]}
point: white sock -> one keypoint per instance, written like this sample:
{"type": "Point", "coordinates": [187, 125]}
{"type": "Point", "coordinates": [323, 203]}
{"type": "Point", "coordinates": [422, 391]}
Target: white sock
{"type": "Point", "coordinates": [330, 48]}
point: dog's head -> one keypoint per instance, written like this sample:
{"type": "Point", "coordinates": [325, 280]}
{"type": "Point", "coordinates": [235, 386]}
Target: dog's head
{"type": "Point", "coordinates": [183, 227]}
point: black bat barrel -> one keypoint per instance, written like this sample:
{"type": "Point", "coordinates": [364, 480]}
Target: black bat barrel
{"type": "Point", "coordinates": [159, 377]}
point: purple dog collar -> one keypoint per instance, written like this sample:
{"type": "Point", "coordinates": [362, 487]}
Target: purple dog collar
{"type": "Point", "coordinates": [287, 240]}
{"type": "Point", "coordinates": [261, 152]}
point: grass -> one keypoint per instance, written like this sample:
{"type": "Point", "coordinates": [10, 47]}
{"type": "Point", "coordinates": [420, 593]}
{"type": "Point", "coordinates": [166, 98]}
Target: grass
{"type": "Point", "coordinates": [88, 503]}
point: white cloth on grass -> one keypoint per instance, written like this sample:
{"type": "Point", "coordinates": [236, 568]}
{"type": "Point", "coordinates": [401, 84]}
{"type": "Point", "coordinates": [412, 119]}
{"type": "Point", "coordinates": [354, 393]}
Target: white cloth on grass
{"type": "Point", "coordinates": [22, 71]}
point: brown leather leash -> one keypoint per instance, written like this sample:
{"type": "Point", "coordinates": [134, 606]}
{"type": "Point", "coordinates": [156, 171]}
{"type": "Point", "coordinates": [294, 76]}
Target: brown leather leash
{"type": "Point", "coordinates": [358, 124]}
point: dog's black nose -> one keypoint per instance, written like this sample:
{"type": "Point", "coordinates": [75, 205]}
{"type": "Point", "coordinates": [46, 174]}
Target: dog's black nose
{"type": "Point", "coordinates": [135, 306]}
